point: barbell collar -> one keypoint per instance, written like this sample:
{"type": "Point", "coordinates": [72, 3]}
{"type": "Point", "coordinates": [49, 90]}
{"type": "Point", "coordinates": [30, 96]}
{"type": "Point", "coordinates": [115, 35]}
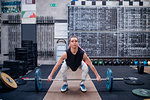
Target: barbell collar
{"type": "Point", "coordinates": [29, 79]}
{"type": "Point", "coordinates": [118, 79]}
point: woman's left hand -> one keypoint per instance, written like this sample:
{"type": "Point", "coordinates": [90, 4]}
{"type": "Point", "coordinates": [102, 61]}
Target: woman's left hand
{"type": "Point", "coordinates": [98, 78]}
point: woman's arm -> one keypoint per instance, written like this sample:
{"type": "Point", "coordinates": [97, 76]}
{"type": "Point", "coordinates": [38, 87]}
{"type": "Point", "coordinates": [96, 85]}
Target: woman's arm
{"type": "Point", "coordinates": [64, 56]}
{"type": "Point", "coordinates": [88, 61]}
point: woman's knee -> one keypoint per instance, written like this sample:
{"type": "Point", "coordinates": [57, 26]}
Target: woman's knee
{"type": "Point", "coordinates": [64, 67]}
{"type": "Point", "coordinates": [85, 67]}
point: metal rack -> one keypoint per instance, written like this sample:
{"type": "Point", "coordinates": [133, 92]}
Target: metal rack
{"type": "Point", "coordinates": [45, 37]}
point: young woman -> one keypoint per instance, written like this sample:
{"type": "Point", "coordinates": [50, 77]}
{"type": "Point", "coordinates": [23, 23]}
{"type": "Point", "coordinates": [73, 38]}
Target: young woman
{"type": "Point", "coordinates": [74, 58]}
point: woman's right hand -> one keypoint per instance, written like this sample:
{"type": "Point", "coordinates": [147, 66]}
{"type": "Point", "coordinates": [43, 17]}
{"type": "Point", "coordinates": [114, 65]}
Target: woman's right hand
{"type": "Point", "coordinates": [49, 78]}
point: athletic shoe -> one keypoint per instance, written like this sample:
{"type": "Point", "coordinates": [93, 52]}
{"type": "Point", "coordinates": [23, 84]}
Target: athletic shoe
{"type": "Point", "coordinates": [82, 88]}
{"type": "Point", "coordinates": [64, 88]}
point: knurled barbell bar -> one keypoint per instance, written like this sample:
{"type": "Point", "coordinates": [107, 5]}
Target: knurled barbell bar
{"type": "Point", "coordinates": [109, 79]}
{"type": "Point", "coordinates": [90, 79]}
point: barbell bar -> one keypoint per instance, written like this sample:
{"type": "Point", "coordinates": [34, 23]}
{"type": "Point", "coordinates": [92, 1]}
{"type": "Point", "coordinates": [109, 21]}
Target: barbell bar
{"type": "Point", "coordinates": [94, 79]}
{"type": "Point", "coordinates": [109, 79]}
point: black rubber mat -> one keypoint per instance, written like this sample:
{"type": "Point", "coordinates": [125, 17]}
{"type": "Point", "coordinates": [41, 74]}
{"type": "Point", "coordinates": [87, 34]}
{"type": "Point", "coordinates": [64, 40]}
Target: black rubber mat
{"type": "Point", "coordinates": [120, 89]}
{"type": "Point", "coordinates": [27, 91]}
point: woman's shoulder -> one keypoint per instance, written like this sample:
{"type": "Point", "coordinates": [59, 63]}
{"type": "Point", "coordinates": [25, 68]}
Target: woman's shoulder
{"type": "Point", "coordinates": [64, 55]}
{"type": "Point", "coordinates": [67, 50]}
{"type": "Point", "coordinates": [81, 50]}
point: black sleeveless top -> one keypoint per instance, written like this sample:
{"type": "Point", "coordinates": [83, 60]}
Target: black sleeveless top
{"type": "Point", "coordinates": [74, 61]}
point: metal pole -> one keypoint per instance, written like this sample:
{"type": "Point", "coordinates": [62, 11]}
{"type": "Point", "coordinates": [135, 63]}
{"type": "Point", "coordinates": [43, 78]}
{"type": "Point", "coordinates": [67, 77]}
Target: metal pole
{"type": "Point", "coordinates": [33, 79]}
{"type": "Point", "coordinates": [118, 79]}
{"type": "Point", "coordinates": [92, 79]}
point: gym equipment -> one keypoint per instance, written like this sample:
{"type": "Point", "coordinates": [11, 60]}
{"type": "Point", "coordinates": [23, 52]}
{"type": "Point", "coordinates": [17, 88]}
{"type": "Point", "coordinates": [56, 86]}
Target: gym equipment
{"type": "Point", "coordinates": [136, 62]}
{"type": "Point", "coordinates": [145, 63]}
{"type": "Point", "coordinates": [7, 81]}
{"type": "Point", "coordinates": [140, 67]}
{"type": "Point", "coordinates": [114, 62]}
{"type": "Point", "coordinates": [60, 48]}
{"type": "Point", "coordinates": [109, 79]}
{"type": "Point", "coordinates": [131, 63]}
{"type": "Point", "coordinates": [95, 62]}
{"type": "Point", "coordinates": [16, 68]}
{"type": "Point", "coordinates": [133, 82]}
{"type": "Point", "coordinates": [19, 82]}
{"type": "Point", "coordinates": [105, 62]}
{"type": "Point", "coordinates": [148, 63]}
{"type": "Point", "coordinates": [100, 62]}
{"type": "Point", "coordinates": [122, 62]}
{"type": "Point", "coordinates": [38, 82]}
{"type": "Point", "coordinates": [141, 92]}
{"type": "Point", "coordinates": [110, 62]}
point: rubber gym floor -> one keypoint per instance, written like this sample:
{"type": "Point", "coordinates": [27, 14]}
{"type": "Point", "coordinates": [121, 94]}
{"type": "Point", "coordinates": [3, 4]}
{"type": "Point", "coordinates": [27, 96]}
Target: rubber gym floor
{"type": "Point", "coordinates": [120, 89]}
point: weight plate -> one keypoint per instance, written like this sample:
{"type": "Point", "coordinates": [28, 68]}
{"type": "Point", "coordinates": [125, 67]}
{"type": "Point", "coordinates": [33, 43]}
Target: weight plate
{"type": "Point", "coordinates": [141, 92]}
{"type": "Point", "coordinates": [95, 62]}
{"type": "Point", "coordinates": [131, 63]}
{"type": "Point", "coordinates": [38, 82]}
{"type": "Point", "coordinates": [100, 62]}
{"type": "Point", "coordinates": [148, 63]}
{"type": "Point", "coordinates": [8, 81]}
{"type": "Point", "coordinates": [109, 79]}
{"type": "Point", "coordinates": [135, 62]}
{"type": "Point", "coordinates": [133, 82]}
{"type": "Point", "coordinates": [105, 62]}
{"type": "Point", "coordinates": [115, 62]}
{"type": "Point", "coordinates": [145, 63]}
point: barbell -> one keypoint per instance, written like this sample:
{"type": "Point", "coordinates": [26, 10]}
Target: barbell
{"type": "Point", "coordinates": [109, 79]}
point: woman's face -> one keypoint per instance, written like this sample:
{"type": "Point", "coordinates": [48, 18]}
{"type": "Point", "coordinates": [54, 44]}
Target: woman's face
{"type": "Point", "coordinates": [74, 42]}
